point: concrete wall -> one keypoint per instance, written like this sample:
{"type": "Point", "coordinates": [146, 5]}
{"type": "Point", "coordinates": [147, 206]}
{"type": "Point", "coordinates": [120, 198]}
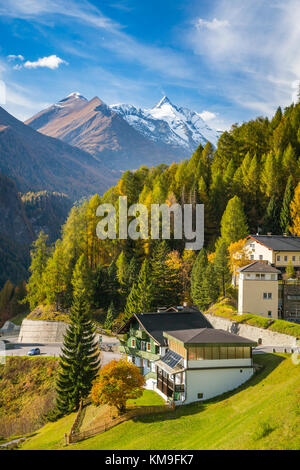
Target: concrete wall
{"type": "Point", "coordinates": [269, 338]}
{"type": "Point", "coordinates": [214, 382]}
{"type": "Point", "coordinates": [39, 331]}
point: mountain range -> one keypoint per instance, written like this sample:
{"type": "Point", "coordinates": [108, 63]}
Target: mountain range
{"type": "Point", "coordinates": [37, 162]}
{"type": "Point", "coordinates": [123, 136]}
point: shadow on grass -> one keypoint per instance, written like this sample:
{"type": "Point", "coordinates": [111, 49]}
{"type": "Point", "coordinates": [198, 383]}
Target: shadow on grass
{"type": "Point", "coordinates": [269, 362]}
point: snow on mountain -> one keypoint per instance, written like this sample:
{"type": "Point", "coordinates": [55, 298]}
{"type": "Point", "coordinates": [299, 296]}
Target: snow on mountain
{"type": "Point", "coordinates": [169, 124]}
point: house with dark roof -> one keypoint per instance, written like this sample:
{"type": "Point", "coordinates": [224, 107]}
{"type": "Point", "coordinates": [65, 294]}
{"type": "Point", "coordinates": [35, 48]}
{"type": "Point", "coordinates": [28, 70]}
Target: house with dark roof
{"type": "Point", "coordinates": [278, 250]}
{"type": "Point", "coordinates": [182, 357]}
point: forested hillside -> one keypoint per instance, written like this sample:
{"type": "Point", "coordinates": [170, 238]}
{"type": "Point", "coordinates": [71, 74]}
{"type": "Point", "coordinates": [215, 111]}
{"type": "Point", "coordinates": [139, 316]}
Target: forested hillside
{"type": "Point", "coordinates": [247, 184]}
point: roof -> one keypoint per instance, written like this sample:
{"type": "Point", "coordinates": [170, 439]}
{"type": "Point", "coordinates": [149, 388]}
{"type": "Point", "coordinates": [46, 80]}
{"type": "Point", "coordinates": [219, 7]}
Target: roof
{"type": "Point", "coordinates": [204, 336]}
{"type": "Point", "coordinates": [278, 242]}
{"type": "Point", "coordinates": [156, 323]}
{"type": "Point", "coordinates": [259, 267]}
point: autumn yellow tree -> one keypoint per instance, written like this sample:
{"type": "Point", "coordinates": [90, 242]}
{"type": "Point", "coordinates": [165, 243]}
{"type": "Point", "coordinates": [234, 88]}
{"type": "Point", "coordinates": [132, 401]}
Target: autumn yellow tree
{"type": "Point", "coordinates": [295, 212]}
{"type": "Point", "coordinates": [238, 257]}
{"type": "Point", "coordinates": [116, 383]}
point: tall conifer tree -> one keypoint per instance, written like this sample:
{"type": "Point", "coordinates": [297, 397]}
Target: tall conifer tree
{"type": "Point", "coordinates": [79, 361]}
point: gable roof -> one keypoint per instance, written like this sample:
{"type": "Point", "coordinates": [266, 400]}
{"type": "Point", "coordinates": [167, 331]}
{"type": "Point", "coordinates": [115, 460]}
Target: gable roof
{"type": "Point", "coordinates": [259, 267]}
{"type": "Point", "coordinates": [278, 242]}
{"type": "Point", "coordinates": [156, 323]}
{"type": "Point", "coordinates": [204, 336]}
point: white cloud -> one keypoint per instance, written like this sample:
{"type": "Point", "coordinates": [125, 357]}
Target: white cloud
{"type": "Point", "coordinates": [207, 115]}
{"type": "Point", "coordinates": [253, 46]}
{"type": "Point", "coordinates": [51, 62]}
{"type": "Point", "coordinates": [13, 57]}
{"type": "Point", "coordinates": [212, 25]}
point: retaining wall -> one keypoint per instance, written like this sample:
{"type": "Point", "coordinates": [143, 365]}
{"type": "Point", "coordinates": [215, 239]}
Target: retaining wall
{"type": "Point", "coordinates": [264, 337]}
{"type": "Point", "coordinates": [40, 331]}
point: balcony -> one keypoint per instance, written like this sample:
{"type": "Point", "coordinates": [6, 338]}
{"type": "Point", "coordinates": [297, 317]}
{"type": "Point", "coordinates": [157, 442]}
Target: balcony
{"type": "Point", "coordinates": [167, 386]}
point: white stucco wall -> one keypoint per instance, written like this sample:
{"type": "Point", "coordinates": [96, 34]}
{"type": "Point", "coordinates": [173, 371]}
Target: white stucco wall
{"type": "Point", "coordinates": [213, 382]}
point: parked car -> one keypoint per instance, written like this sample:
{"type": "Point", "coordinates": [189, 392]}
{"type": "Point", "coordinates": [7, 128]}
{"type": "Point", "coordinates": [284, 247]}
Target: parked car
{"type": "Point", "coordinates": [34, 352]}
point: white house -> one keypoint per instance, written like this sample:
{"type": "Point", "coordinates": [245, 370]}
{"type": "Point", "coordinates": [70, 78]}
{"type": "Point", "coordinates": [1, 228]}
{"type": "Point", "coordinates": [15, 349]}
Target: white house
{"type": "Point", "coordinates": [186, 359]}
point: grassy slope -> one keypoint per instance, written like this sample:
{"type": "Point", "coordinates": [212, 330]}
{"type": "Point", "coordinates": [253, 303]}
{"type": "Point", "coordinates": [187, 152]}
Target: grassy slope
{"type": "Point", "coordinates": [26, 393]}
{"type": "Point", "coordinates": [226, 310]}
{"type": "Point", "coordinates": [263, 414]}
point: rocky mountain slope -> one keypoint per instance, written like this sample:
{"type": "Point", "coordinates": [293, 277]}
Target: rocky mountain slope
{"type": "Point", "coordinates": [37, 162]}
{"type": "Point", "coordinates": [96, 128]}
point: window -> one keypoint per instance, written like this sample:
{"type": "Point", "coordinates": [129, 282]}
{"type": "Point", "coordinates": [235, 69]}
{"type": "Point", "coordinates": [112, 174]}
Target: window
{"type": "Point", "coordinates": [252, 256]}
{"type": "Point", "coordinates": [265, 295]}
{"type": "Point", "coordinates": [269, 313]}
{"type": "Point", "coordinates": [261, 257]}
{"type": "Point", "coordinates": [294, 258]}
{"type": "Point", "coordinates": [252, 245]}
{"type": "Point", "coordinates": [278, 258]}
{"type": "Point", "coordinates": [273, 277]}
{"type": "Point", "coordinates": [149, 347]}
{"type": "Point", "coordinates": [143, 346]}
{"type": "Point", "coordinates": [133, 359]}
{"type": "Point", "coordinates": [148, 364]}
{"type": "Point", "coordinates": [286, 258]}
{"type": "Point", "coordinates": [262, 276]}
{"type": "Point", "coordinates": [200, 395]}
{"type": "Point", "coordinates": [269, 295]}
{"type": "Point", "coordinates": [133, 343]}
{"type": "Point", "coordinates": [257, 276]}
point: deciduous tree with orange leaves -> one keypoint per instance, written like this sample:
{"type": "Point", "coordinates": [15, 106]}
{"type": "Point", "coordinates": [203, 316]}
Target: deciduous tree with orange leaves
{"type": "Point", "coordinates": [116, 383]}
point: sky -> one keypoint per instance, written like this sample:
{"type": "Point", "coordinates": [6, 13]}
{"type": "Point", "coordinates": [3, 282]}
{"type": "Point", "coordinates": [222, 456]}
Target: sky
{"type": "Point", "coordinates": [230, 60]}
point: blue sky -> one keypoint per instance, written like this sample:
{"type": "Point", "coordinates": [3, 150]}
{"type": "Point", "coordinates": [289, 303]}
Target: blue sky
{"type": "Point", "coordinates": [231, 60]}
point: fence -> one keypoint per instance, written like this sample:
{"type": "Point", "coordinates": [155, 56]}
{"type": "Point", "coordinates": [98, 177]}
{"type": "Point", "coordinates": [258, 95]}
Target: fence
{"type": "Point", "coordinates": [146, 410]}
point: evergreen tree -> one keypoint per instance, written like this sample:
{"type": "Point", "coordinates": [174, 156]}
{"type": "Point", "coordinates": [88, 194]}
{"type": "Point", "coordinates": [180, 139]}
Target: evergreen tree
{"type": "Point", "coordinates": [197, 277]}
{"type": "Point", "coordinates": [111, 315]}
{"type": "Point", "coordinates": [233, 224]}
{"type": "Point", "coordinates": [221, 265]}
{"type": "Point", "coordinates": [79, 361]}
{"type": "Point", "coordinates": [140, 298]}
{"type": "Point", "coordinates": [54, 277]}
{"type": "Point", "coordinates": [285, 214]}
{"type": "Point", "coordinates": [272, 217]}
{"type": "Point", "coordinates": [209, 288]}
{"type": "Point", "coordinates": [159, 274]}
{"type": "Point", "coordinates": [39, 258]}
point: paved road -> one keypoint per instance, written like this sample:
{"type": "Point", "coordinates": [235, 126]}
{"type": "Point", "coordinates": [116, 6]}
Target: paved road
{"type": "Point", "coordinates": [53, 349]}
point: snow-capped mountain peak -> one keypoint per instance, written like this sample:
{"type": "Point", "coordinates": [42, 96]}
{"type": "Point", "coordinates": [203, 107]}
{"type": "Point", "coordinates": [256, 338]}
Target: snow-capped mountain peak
{"type": "Point", "coordinates": [169, 124]}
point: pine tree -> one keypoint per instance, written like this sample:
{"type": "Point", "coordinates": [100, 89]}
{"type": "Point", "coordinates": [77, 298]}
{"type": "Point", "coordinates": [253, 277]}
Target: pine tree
{"type": "Point", "coordinates": [140, 298]}
{"type": "Point", "coordinates": [285, 214]}
{"type": "Point", "coordinates": [197, 277]}
{"type": "Point", "coordinates": [272, 217]}
{"type": "Point", "coordinates": [234, 224]}
{"type": "Point", "coordinates": [111, 315]}
{"type": "Point", "coordinates": [221, 265]}
{"type": "Point", "coordinates": [159, 274]}
{"type": "Point", "coordinates": [79, 361]}
{"type": "Point", "coordinates": [210, 288]}
{"type": "Point", "coordinates": [39, 258]}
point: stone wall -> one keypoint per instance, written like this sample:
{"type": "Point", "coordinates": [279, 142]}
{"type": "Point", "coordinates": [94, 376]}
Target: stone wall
{"type": "Point", "coordinates": [39, 331]}
{"type": "Point", "coordinates": [264, 337]}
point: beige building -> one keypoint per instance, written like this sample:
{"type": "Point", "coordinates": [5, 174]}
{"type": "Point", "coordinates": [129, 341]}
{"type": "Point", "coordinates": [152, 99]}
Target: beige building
{"type": "Point", "coordinates": [276, 249]}
{"type": "Point", "coordinates": [258, 289]}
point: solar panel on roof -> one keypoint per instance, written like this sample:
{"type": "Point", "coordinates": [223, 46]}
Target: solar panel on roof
{"type": "Point", "coordinates": [171, 359]}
